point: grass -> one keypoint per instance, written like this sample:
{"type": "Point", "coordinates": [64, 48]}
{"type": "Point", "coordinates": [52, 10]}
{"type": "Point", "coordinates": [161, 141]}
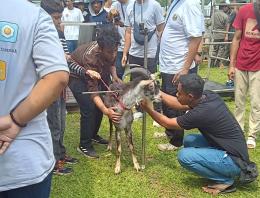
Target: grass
{"type": "Point", "coordinates": [162, 177]}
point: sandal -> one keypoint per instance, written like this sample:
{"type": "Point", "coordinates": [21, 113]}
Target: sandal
{"type": "Point", "coordinates": [251, 144]}
{"type": "Point", "coordinates": [215, 190]}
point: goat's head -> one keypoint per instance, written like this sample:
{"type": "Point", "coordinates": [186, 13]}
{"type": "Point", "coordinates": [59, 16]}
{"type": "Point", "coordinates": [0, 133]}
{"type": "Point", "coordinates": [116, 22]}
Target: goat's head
{"type": "Point", "coordinates": [151, 89]}
{"type": "Point", "coordinates": [150, 86]}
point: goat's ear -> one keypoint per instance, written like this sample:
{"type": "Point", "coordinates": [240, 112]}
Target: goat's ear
{"type": "Point", "coordinates": [144, 83]}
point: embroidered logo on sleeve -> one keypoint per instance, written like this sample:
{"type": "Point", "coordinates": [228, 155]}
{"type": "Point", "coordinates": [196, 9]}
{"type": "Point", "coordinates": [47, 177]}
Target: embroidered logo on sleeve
{"type": "Point", "coordinates": [2, 70]}
{"type": "Point", "coordinates": [8, 32]}
{"type": "Point", "coordinates": [175, 17]}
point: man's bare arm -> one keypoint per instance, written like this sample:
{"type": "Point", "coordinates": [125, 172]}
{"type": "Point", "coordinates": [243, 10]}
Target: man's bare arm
{"type": "Point", "coordinates": [127, 44]}
{"type": "Point", "coordinates": [172, 102]}
{"type": "Point", "coordinates": [160, 29]}
{"type": "Point", "coordinates": [46, 91]}
{"type": "Point", "coordinates": [234, 47]}
{"type": "Point", "coordinates": [193, 49]}
{"type": "Point", "coordinates": [233, 53]}
{"type": "Point", "coordinates": [168, 123]}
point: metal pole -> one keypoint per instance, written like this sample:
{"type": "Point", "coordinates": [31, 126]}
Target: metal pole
{"type": "Point", "coordinates": [202, 7]}
{"type": "Point", "coordinates": [217, 43]}
{"type": "Point", "coordinates": [220, 31]}
{"type": "Point", "coordinates": [211, 38]}
{"type": "Point", "coordinates": [145, 31]}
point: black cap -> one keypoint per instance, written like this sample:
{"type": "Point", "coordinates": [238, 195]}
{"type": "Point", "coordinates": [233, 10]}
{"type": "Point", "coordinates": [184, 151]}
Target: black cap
{"type": "Point", "coordinates": [52, 6]}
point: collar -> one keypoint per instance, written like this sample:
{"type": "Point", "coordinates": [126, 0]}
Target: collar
{"type": "Point", "coordinates": [92, 12]}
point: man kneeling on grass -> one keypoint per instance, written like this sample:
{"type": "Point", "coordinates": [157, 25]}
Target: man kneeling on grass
{"type": "Point", "coordinates": [219, 153]}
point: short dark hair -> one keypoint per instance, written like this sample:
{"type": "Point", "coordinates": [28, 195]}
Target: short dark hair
{"type": "Point", "coordinates": [192, 84]}
{"type": "Point", "coordinates": [108, 36]}
{"type": "Point", "coordinates": [52, 6]}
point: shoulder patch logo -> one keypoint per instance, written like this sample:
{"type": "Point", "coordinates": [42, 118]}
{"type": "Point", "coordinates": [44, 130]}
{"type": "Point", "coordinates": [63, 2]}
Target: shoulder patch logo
{"type": "Point", "coordinates": [2, 70]}
{"type": "Point", "coordinates": [8, 32]}
{"type": "Point", "coordinates": [175, 17]}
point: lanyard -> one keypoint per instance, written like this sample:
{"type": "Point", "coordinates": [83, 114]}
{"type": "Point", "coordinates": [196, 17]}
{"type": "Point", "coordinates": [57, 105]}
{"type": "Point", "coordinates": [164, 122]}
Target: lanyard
{"type": "Point", "coordinates": [122, 11]}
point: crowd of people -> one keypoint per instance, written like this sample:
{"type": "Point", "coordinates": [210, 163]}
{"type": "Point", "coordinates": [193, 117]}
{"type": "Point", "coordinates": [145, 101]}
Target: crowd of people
{"type": "Point", "coordinates": [31, 139]}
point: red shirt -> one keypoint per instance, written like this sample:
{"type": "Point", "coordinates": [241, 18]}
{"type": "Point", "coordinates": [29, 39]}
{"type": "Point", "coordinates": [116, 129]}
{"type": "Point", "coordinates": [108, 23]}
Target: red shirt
{"type": "Point", "coordinates": [248, 57]}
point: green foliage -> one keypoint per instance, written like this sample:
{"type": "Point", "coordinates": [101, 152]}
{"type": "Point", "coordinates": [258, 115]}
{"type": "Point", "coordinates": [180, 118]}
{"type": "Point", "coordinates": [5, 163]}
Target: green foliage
{"type": "Point", "coordinates": [162, 177]}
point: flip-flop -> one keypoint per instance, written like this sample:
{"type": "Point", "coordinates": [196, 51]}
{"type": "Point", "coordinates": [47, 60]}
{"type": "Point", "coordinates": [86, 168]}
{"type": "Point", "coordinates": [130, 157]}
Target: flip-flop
{"type": "Point", "coordinates": [229, 189]}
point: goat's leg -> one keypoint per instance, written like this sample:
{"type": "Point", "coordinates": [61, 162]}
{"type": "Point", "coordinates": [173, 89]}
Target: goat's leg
{"type": "Point", "coordinates": [109, 146]}
{"type": "Point", "coordinates": [129, 133]}
{"type": "Point", "coordinates": [118, 152]}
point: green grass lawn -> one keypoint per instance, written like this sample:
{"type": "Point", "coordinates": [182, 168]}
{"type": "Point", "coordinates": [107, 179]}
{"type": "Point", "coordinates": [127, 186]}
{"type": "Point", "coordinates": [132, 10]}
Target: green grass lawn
{"type": "Point", "coordinates": [162, 177]}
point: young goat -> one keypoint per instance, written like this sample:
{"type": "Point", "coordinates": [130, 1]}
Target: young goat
{"type": "Point", "coordinates": [143, 87]}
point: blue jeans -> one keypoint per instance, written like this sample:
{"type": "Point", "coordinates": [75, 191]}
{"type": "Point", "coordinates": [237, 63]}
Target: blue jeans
{"type": "Point", "coordinates": [72, 45]}
{"type": "Point", "coordinates": [40, 190]}
{"type": "Point", "coordinates": [56, 116]}
{"type": "Point", "coordinates": [208, 162]}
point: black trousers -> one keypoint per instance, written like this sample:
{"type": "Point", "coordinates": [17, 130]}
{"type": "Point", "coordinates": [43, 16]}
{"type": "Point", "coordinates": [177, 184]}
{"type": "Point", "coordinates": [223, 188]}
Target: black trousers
{"type": "Point", "coordinates": [90, 115]}
{"type": "Point", "coordinates": [175, 136]}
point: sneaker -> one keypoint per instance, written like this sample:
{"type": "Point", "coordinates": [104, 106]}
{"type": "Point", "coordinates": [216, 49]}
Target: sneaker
{"type": "Point", "coordinates": [167, 147]}
{"type": "Point", "coordinates": [138, 115]}
{"type": "Point", "coordinates": [98, 139]}
{"type": "Point", "coordinates": [88, 152]}
{"type": "Point", "coordinates": [59, 169]}
{"type": "Point", "coordinates": [159, 135]}
{"type": "Point", "coordinates": [251, 144]}
{"type": "Point", "coordinates": [70, 160]}
{"type": "Point", "coordinates": [156, 124]}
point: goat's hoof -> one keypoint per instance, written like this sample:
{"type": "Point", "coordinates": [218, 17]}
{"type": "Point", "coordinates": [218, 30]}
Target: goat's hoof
{"type": "Point", "coordinates": [117, 170]}
{"type": "Point", "coordinates": [137, 167]}
{"type": "Point", "coordinates": [109, 148]}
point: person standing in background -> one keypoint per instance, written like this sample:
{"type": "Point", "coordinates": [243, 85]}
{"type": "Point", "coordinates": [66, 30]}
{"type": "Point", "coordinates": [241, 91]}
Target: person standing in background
{"type": "Point", "coordinates": [184, 27]}
{"type": "Point", "coordinates": [220, 19]}
{"type": "Point", "coordinates": [97, 13]}
{"type": "Point", "coordinates": [244, 67]}
{"type": "Point", "coordinates": [71, 14]}
{"type": "Point", "coordinates": [153, 19]}
{"type": "Point", "coordinates": [56, 113]}
{"type": "Point", "coordinates": [117, 13]}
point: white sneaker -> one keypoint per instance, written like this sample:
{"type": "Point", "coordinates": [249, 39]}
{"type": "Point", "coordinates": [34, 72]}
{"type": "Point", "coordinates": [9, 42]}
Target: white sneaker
{"type": "Point", "coordinates": [138, 115]}
{"type": "Point", "coordinates": [156, 124]}
{"type": "Point", "coordinates": [159, 135]}
{"type": "Point", "coordinates": [251, 144]}
{"type": "Point", "coordinates": [167, 147]}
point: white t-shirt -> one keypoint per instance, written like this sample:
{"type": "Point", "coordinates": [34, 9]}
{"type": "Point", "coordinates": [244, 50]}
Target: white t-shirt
{"type": "Point", "coordinates": [29, 50]}
{"type": "Point", "coordinates": [185, 21]}
{"type": "Point", "coordinates": [152, 16]}
{"type": "Point", "coordinates": [74, 15]}
{"type": "Point", "coordinates": [122, 11]}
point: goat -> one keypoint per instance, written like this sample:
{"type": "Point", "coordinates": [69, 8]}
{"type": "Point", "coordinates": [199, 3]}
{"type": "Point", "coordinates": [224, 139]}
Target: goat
{"type": "Point", "coordinates": [142, 87]}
